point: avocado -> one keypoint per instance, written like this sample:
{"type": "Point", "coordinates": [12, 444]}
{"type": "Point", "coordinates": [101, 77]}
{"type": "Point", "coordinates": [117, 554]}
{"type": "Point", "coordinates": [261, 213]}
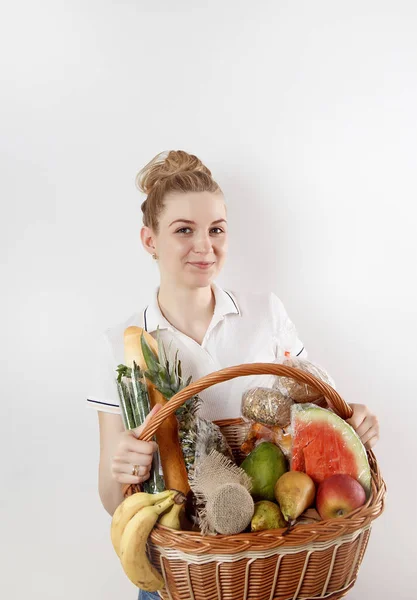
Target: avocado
{"type": "Point", "coordinates": [264, 465]}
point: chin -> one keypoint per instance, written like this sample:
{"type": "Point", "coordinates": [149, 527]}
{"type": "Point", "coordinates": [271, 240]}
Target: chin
{"type": "Point", "coordinates": [203, 279]}
{"type": "Point", "coordinates": [200, 279]}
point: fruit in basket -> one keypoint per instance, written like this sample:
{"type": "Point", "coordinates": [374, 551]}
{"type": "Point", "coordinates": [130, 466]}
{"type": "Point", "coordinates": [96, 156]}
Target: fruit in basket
{"type": "Point", "coordinates": [339, 495]}
{"type": "Point", "coordinates": [133, 554]}
{"type": "Point", "coordinates": [325, 445]}
{"type": "Point", "coordinates": [295, 492]}
{"type": "Point", "coordinates": [171, 518]}
{"type": "Point", "coordinates": [128, 508]}
{"type": "Point", "coordinates": [199, 436]}
{"type": "Point", "coordinates": [265, 464]}
{"type": "Point", "coordinates": [267, 515]}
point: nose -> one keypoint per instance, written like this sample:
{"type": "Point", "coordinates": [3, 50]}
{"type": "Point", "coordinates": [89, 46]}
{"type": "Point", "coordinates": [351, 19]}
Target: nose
{"type": "Point", "coordinates": [203, 244]}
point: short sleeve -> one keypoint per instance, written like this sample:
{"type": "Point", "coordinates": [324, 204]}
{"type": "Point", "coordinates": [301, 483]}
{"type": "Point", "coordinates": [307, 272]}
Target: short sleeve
{"type": "Point", "coordinates": [102, 393]}
{"type": "Point", "coordinates": [285, 333]}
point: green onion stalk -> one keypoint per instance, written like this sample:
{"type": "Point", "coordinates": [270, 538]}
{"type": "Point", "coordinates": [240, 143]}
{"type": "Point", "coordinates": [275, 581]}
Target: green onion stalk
{"type": "Point", "coordinates": [135, 406]}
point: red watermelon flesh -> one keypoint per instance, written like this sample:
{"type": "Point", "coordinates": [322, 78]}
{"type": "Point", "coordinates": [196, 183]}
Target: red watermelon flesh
{"type": "Point", "coordinates": [323, 444]}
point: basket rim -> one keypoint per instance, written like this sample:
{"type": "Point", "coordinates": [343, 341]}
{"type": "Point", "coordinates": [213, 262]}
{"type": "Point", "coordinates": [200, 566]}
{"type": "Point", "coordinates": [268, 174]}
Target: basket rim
{"type": "Point", "coordinates": [333, 398]}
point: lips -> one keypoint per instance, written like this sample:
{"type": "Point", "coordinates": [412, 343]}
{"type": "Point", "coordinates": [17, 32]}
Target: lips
{"type": "Point", "coordinates": [203, 266]}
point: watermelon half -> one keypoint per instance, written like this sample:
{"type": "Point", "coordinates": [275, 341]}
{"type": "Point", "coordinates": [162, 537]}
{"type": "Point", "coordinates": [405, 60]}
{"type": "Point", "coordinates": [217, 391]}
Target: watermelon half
{"type": "Point", "coordinates": [323, 444]}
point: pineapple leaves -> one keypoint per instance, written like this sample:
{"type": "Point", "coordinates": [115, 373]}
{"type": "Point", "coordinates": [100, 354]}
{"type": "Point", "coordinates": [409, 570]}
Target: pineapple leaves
{"type": "Point", "coordinates": [164, 374]}
{"type": "Point", "coordinates": [150, 359]}
{"type": "Point", "coordinates": [161, 349]}
{"type": "Point", "coordinates": [174, 375]}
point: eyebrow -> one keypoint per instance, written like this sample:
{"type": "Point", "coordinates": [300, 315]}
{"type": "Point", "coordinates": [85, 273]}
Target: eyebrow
{"type": "Point", "coordinates": [193, 222]}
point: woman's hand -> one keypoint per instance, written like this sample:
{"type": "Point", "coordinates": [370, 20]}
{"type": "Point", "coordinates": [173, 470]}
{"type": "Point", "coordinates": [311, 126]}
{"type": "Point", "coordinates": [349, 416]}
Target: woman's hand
{"type": "Point", "coordinates": [131, 451]}
{"type": "Point", "coordinates": [365, 424]}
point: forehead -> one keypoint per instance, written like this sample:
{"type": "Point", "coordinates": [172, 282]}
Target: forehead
{"type": "Point", "coordinates": [195, 206]}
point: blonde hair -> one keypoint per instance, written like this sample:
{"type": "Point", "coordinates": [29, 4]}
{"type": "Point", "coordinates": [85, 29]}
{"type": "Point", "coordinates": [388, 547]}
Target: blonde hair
{"type": "Point", "coordinates": [171, 171]}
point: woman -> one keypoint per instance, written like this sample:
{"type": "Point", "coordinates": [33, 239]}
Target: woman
{"type": "Point", "coordinates": [185, 230]}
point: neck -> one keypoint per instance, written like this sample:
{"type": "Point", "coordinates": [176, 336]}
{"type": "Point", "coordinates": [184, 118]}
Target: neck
{"type": "Point", "coordinates": [186, 308]}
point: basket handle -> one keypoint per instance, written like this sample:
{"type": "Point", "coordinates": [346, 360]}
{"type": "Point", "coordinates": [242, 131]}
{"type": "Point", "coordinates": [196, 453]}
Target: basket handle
{"type": "Point", "coordinates": [334, 400]}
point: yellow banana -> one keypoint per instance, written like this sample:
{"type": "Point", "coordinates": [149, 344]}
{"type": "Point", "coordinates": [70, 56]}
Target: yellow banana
{"type": "Point", "coordinates": [128, 508]}
{"type": "Point", "coordinates": [172, 517]}
{"type": "Point", "coordinates": [133, 554]}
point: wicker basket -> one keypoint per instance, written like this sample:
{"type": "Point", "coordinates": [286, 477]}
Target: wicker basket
{"type": "Point", "coordinates": [318, 560]}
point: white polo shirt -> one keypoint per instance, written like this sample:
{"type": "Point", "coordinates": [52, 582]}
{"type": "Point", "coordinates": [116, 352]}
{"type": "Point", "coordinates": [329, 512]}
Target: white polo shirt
{"type": "Point", "coordinates": [245, 328]}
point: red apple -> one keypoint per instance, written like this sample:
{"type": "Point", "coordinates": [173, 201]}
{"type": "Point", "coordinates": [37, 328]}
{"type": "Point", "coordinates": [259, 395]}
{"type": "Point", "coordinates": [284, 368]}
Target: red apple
{"type": "Point", "coordinates": [338, 495]}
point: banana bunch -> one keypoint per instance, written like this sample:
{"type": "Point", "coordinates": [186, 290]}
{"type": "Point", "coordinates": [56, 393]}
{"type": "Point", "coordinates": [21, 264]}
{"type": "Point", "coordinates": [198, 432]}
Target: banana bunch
{"type": "Point", "coordinates": [131, 525]}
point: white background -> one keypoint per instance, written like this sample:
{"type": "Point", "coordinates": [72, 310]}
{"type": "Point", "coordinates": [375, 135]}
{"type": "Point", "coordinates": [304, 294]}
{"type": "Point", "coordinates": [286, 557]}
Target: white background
{"type": "Point", "coordinates": [306, 114]}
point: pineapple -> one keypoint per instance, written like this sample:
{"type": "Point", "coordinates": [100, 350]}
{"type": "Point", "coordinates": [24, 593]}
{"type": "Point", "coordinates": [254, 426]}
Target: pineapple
{"type": "Point", "coordinates": [197, 436]}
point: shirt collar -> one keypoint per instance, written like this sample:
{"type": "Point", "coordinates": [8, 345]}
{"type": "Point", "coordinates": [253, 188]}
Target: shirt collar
{"type": "Point", "coordinates": [225, 304]}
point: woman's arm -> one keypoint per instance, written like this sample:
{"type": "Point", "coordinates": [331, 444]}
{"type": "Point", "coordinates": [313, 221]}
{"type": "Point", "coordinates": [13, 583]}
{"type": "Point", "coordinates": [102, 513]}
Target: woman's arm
{"type": "Point", "coordinates": [110, 490]}
{"type": "Point", "coordinates": [120, 450]}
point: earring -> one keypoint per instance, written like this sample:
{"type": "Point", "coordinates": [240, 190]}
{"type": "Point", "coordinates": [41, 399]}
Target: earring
{"type": "Point", "coordinates": [154, 257]}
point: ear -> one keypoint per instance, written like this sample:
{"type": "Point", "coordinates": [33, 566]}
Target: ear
{"type": "Point", "coordinates": [148, 239]}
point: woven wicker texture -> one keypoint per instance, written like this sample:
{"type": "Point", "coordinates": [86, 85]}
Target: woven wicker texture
{"type": "Point", "coordinates": [309, 561]}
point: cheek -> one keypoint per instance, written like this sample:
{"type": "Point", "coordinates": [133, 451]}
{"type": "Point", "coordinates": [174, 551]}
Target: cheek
{"type": "Point", "coordinates": [179, 247]}
{"type": "Point", "coordinates": [222, 245]}
{"type": "Point", "coordinates": [175, 243]}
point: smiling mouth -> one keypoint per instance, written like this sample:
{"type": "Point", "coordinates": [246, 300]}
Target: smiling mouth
{"type": "Point", "coordinates": [202, 265]}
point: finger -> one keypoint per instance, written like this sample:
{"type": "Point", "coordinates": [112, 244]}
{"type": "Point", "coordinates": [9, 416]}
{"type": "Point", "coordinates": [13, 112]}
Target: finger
{"type": "Point", "coordinates": [127, 469]}
{"type": "Point", "coordinates": [371, 422]}
{"type": "Point", "coordinates": [142, 471]}
{"type": "Point", "coordinates": [371, 443]}
{"type": "Point", "coordinates": [140, 447]}
{"type": "Point", "coordinates": [124, 466]}
{"type": "Point", "coordinates": [133, 458]}
{"type": "Point", "coordinates": [121, 470]}
{"type": "Point", "coordinates": [138, 430]}
{"type": "Point", "coordinates": [123, 478]}
{"type": "Point", "coordinates": [364, 427]}
{"type": "Point", "coordinates": [372, 432]}
{"type": "Point", "coordinates": [356, 420]}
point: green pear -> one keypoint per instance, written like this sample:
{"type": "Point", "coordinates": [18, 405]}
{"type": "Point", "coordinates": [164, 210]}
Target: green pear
{"type": "Point", "coordinates": [267, 515]}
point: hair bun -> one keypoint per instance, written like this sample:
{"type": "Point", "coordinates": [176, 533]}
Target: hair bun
{"type": "Point", "coordinates": [167, 164]}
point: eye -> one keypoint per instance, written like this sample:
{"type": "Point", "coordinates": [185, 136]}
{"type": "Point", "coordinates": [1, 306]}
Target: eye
{"type": "Point", "coordinates": [218, 228]}
{"type": "Point", "coordinates": [182, 229]}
